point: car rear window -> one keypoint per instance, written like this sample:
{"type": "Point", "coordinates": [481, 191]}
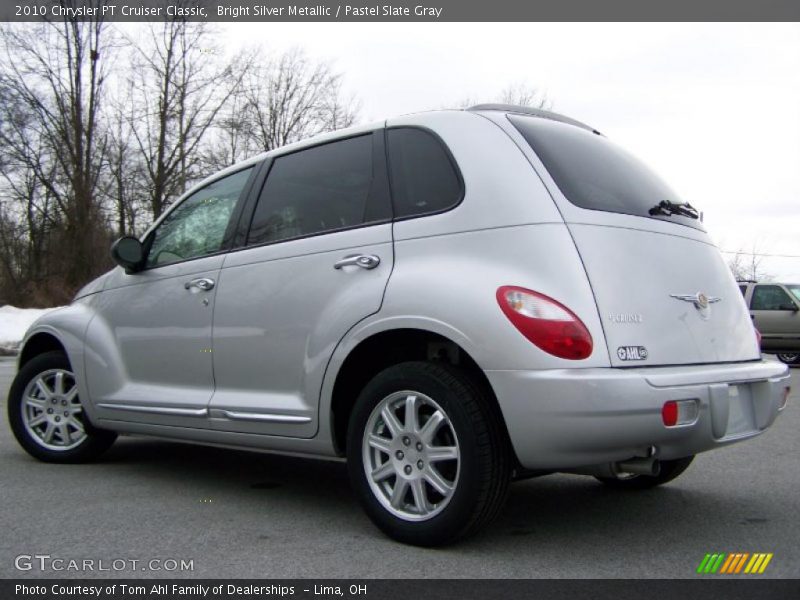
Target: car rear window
{"type": "Point", "coordinates": [593, 172]}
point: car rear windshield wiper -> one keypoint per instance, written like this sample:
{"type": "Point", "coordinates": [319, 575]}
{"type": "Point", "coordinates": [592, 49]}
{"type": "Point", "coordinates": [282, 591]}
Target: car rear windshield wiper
{"type": "Point", "coordinates": [665, 207]}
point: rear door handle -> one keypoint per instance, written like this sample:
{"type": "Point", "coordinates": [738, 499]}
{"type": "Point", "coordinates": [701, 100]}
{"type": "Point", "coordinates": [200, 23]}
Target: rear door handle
{"type": "Point", "coordinates": [365, 261]}
{"type": "Point", "coordinates": [203, 283]}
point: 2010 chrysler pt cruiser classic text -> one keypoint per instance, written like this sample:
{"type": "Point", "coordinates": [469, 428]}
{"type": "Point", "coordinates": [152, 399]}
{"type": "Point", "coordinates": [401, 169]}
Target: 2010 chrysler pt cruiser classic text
{"type": "Point", "coordinates": [450, 300]}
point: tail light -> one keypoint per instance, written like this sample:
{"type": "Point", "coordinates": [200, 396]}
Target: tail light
{"type": "Point", "coordinates": [679, 412]}
{"type": "Point", "coordinates": [548, 324]}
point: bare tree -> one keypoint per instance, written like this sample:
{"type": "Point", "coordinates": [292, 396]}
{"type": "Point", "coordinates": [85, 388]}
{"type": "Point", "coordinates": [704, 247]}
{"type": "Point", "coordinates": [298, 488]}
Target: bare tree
{"type": "Point", "coordinates": [518, 94]}
{"type": "Point", "coordinates": [52, 80]}
{"type": "Point", "coordinates": [180, 91]}
{"type": "Point", "coordinates": [125, 179]}
{"type": "Point", "coordinates": [748, 265]}
{"type": "Point", "coordinates": [281, 100]}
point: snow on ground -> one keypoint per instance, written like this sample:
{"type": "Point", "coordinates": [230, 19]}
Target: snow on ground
{"type": "Point", "coordinates": [14, 322]}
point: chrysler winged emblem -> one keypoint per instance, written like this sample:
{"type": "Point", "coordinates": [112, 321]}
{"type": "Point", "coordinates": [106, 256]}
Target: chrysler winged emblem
{"type": "Point", "coordinates": [700, 300]}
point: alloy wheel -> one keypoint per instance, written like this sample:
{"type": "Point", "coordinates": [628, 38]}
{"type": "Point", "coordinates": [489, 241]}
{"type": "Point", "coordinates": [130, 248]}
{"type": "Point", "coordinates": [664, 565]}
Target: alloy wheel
{"type": "Point", "coordinates": [52, 412]}
{"type": "Point", "coordinates": [411, 455]}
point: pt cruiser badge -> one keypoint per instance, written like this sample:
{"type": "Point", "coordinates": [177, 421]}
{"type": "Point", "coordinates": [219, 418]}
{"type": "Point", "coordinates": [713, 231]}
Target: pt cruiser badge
{"type": "Point", "coordinates": [700, 300]}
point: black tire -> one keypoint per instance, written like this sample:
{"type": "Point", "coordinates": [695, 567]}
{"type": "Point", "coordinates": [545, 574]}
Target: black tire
{"type": "Point", "coordinates": [484, 468]}
{"type": "Point", "coordinates": [789, 358]}
{"type": "Point", "coordinates": [670, 469]}
{"type": "Point", "coordinates": [90, 447]}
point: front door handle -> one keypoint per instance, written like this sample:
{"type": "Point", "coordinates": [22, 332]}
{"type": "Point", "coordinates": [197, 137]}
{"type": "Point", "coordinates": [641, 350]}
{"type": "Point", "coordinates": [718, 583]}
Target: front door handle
{"type": "Point", "coordinates": [203, 283]}
{"type": "Point", "coordinates": [365, 261]}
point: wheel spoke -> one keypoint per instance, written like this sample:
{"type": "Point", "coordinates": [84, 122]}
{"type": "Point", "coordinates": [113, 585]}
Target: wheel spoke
{"type": "Point", "coordinates": [380, 443]}
{"type": "Point", "coordinates": [48, 433]}
{"type": "Point", "coordinates": [37, 420]}
{"type": "Point", "coordinates": [75, 408]}
{"type": "Point", "coordinates": [383, 472]}
{"type": "Point", "coordinates": [412, 423]}
{"type": "Point", "coordinates": [76, 424]}
{"type": "Point", "coordinates": [420, 497]}
{"type": "Point", "coordinates": [42, 387]}
{"type": "Point", "coordinates": [430, 428]}
{"type": "Point", "coordinates": [58, 385]}
{"type": "Point", "coordinates": [437, 482]}
{"type": "Point", "coordinates": [399, 493]}
{"type": "Point", "coordinates": [63, 431]}
{"type": "Point", "coordinates": [72, 393]}
{"type": "Point", "coordinates": [439, 453]}
{"type": "Point", "coordinates": [391, 422]}
{"type": "Point", "coordinates": [39, 403]}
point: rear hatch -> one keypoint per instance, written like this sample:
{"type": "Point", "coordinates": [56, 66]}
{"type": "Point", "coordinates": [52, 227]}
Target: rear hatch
{"type": "Point", "coordinates": [664, 293]}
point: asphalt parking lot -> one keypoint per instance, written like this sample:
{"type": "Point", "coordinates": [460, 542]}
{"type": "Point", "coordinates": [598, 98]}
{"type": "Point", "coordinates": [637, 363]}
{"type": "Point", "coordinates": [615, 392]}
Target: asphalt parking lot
{"type": "Point", "coordinates": [238, 514]}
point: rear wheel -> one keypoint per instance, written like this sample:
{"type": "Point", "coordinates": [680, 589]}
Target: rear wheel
{"type": "Point", "coordinates": [790, 358]}
{"type": "Point", "coordinates": [46, 414]}
{"type": "Point", "coordinates": [670, 469]}
{"type": "Point", "coordinates": [426, 454]}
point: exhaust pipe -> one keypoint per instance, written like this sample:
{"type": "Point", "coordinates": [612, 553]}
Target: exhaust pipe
{"type": "Point", "coordinates": [639, 466]}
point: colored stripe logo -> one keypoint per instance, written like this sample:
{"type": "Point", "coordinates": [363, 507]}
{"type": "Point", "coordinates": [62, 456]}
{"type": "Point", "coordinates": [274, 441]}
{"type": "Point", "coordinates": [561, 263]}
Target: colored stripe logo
{"type": "Point", "coordinates": [735, 563]}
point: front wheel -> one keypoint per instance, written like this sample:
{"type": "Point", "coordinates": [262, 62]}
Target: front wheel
{"type": "Point", "coordinates": [789, 358]}
{"type": "Point", "coordinates": [427, 455]}
{"type": "Point", "coordinates": [46, 414]}
{"type": "Point", "coordinates": [669, 470]}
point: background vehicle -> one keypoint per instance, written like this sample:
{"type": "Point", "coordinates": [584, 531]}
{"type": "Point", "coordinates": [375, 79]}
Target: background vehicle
{"type": "Point", "coordinates": [448, 299]}
{"type": "Point", "coordinates": [775, 309]}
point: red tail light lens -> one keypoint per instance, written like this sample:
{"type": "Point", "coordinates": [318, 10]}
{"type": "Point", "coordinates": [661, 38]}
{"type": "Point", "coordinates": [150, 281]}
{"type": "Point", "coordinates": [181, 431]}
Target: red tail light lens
{"type": "Point", "coordinates": [547, 323]}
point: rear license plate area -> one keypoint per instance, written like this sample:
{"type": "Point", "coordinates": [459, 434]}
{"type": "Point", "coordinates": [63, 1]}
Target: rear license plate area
{"type": "Point", "coordinates": [741, 417]}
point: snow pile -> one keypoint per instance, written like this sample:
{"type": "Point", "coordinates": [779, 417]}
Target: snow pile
{"type": "Point", "coordinates": [14, 322]}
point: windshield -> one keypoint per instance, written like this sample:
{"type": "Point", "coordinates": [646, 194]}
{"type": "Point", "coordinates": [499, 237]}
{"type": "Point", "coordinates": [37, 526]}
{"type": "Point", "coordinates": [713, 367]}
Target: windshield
{"type": "Point", "coordinates": [594, 173]}
{"type": "Point", "coordinates": [795, 289]}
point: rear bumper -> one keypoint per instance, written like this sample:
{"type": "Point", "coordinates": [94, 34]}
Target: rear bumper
{"type": "Point", "coordinates": [568, 418]}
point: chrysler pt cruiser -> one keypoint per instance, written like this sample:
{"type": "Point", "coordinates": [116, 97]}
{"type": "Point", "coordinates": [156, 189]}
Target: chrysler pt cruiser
{"type": "Point", "coordinates": [449, 300]}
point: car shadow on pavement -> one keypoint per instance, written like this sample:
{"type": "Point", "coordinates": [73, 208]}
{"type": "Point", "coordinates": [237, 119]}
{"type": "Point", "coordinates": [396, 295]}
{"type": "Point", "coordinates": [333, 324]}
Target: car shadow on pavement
{"type": "Point", "coordinates": [552, 510]}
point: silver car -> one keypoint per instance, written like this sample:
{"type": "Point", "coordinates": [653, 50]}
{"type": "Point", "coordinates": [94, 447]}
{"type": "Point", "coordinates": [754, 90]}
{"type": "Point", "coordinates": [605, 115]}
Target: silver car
{"type": "Point", "coordinates": [451, 300]}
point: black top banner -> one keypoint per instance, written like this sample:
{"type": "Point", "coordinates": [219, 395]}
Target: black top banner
{"type": "Point", "coordinates": [402, 10]}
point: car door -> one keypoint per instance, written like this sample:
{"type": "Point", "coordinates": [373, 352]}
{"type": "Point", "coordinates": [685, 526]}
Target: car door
{"type": "Point", "coordinates": [148, 349]}
{"type": "Point", "coordinates": [776, 316]}
{"type": "Point", "coordinates": [317, 259]}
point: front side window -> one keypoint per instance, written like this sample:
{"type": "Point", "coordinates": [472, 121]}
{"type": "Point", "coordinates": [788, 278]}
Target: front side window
{"type": "Point", "coordinates": [197, 226]}
{"type": "Point", "coordinates": [592, 172]}
{"type": "Point", "coordinates": [321, 189]}
{"type": "Point", "coordinates": [424, 179]}
{"type": "Point", "coordinates": [770, 297]}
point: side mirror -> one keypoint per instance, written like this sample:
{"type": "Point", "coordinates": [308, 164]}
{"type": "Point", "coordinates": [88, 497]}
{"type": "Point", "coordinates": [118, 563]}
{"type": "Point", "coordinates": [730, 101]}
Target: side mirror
{"type": "Point", "coordinates": [791, 307]}
{"type": "Point", "coordinates": [128, 253]}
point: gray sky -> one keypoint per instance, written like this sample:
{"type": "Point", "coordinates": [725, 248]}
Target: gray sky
{"type": "Point", "coordinates": [714, 108]}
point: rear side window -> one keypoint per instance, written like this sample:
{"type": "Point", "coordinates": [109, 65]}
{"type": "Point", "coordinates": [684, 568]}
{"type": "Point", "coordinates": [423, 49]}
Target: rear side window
{"type": "Point", "coordinates": [770, 297]}
{"type": "Point", "coordinates": [593, 172]}
{"type": "Point", "coordinates": [321, 189]}
{"type": "Point", "coordinates": [423, 177]}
